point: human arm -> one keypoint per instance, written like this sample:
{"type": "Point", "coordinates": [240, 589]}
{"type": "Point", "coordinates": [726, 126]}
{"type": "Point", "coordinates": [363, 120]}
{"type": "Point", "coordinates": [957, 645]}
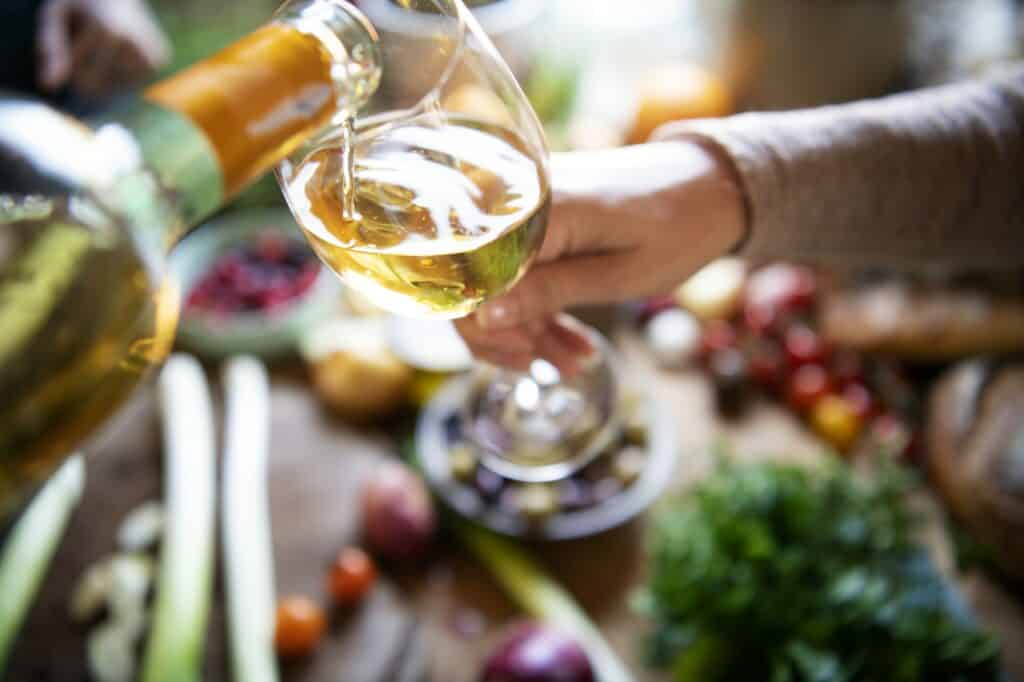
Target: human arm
{"type": "Point", "coordinates": [926, 179]}
{"type": "Point", "coordinates": [97, 46]}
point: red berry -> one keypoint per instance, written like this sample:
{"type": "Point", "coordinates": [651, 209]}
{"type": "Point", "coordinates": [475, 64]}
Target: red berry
{"type": "Point", "coordinates": [718, 335]}
{"type": "Point", "coordinates": [804, 346]}
{"type": "Point", "coordinates": [859, 399]}
{"type": "Point", "coordinates": [807, 385]}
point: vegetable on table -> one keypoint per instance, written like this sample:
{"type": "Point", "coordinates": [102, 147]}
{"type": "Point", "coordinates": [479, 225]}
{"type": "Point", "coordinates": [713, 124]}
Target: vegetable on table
{"type": "Point", "coordinates": [351, 576]}
{"type": "Point", "coordinates": [398, 514]}
{"type": "Point", "coordinates": [245, 522]}
{"type": "Point", "coordinates": [542, 597]}
{"type": "Point", "coordinates": [301, 624]}
{"type": "Point", "coordinates": [773, 572]}
{"type": "Point", "coordinates": [31, 545]}
{"type": "Point", "coordinates": [538, 653]}
{"type": "Point", "coordinates": [174, 650]}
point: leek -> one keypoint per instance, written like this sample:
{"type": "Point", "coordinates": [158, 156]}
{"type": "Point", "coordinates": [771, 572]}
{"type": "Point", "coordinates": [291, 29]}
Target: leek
{"type": "Point", "coordinates": [248, 552]}
{"type": "Point", "coordinates": [175, 647]}
{"type": "Point", "coordinates": [543, 598]}
{"type": "Point", "coordinates": [31, 546]}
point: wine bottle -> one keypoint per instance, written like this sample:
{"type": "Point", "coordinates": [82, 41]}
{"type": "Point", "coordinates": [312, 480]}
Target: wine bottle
{"type": "Point", "coordinates": [89, 210]}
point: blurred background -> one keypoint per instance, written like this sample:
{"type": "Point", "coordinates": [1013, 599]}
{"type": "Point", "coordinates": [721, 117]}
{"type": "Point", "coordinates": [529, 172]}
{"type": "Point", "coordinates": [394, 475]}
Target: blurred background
{"type": "Point", "coordinates": [923, 369]}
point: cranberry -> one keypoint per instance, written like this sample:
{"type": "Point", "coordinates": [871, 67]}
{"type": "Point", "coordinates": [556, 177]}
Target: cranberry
{"type": "Point", "coordinates": [262, 277]}
{"type": "Point", "coordinates": [807, 385]}
{"type": "Point", "coordinates": [804, 346]}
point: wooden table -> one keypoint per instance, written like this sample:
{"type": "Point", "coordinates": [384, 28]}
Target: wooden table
{"type": "Point", "coordinates": [438, 623]}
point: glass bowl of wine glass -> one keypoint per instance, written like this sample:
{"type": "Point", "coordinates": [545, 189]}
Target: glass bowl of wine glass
{"type": "Point", "coordinates": [435, 199]}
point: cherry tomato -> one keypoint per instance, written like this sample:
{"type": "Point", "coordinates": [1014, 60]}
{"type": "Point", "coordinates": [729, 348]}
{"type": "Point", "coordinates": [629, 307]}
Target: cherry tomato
{"type": "Point", "coordinates": [783, 286]}
{"type": "Point", "coordinates": [804, 346]}
{"type": "Point", "coordinates": [859, 399]}
{"type": "Point", "coordinates": [718, 335]}
{"type": "Point", "coordinates": [807, 385]}
{"type": "Point", "coordinates": [761, 319]}
{"type": "Point", "coordinates": [766, 363]}
{"type": "Point", "coordinates": [351, 576]}
{"type": "Point", "coordinates": [835, 420]}
{"type": "Point", "coordinates": [300, 626]}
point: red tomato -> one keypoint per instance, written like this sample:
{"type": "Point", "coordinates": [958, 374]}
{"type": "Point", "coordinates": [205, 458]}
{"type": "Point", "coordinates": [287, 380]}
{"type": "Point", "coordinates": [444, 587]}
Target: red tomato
{"type": "Point", "coordinates": [761, 319]}
{"type": "Point", "coordinates": [718, 335]}
{"type": "Point", "coordinates": [351, 576]}
{"type": "Point", "coordinates": [804, 346]}
{"type": "Point", "coordinates": [300, 626]}
{"type": "Point", "coordinates": [783, 286]}
{"type": "Point", "coordinates": [766, 364]}
{"type": "Point", "coordinates": [807, 385]}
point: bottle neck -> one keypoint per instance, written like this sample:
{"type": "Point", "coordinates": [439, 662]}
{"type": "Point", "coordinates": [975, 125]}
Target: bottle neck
{"type": "Point", "coordinates": [209, 131]}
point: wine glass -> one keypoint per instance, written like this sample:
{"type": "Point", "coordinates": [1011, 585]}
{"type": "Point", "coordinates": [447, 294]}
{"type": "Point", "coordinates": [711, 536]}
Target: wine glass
{"type": "Point", "coordinates": [435, 199]}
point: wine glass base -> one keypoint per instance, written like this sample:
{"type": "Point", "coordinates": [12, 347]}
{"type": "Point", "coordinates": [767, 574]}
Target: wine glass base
{"type": "Point", "coordinates": [485, 497]}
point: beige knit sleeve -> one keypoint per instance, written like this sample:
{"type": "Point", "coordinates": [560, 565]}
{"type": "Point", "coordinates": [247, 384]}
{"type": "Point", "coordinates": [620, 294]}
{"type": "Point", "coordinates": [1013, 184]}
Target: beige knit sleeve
{"type": "Point", "coordinates": [931, 178]}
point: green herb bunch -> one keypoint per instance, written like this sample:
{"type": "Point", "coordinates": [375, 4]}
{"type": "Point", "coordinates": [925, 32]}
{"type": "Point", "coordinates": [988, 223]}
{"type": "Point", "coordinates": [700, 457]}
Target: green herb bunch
{"type": "Point", "coordinates": [774, 572]}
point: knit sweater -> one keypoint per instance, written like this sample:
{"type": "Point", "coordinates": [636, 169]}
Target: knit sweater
{"type": "Point", "coordinates": [928, 179]}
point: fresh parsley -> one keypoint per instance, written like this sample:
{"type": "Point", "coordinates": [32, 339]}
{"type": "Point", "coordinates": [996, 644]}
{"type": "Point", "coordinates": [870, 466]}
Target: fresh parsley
{"type": "Point", "coordinates": [773, 572]}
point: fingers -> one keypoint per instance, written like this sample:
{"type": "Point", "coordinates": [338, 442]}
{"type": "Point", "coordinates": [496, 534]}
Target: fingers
{"type": "Point", "coordinates": [551, 287]}
{"type": "Point", "coordinates": [558, 339]}
{"type": "Point", "coordinates": [53, 45]}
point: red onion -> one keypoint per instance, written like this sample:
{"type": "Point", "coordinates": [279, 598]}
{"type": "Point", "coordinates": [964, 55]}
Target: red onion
{"type": "Point", "coordinates": [398, 514]}
{"type": "Point", "coordinates": [538, 653]}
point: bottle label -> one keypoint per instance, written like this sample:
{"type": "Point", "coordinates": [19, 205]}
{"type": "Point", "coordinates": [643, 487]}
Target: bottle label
{"type": "Point", "coordinates": [177, 152]}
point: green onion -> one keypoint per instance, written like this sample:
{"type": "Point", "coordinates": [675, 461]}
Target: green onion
{"type": "Point", "coordinates": [542, 597]}
{"type": "Point", "coordinates": [175, 647]}
{"type": "Point", "coordinates": [31, 546]}
{"type": "Point", "coordinates": [248, 553]}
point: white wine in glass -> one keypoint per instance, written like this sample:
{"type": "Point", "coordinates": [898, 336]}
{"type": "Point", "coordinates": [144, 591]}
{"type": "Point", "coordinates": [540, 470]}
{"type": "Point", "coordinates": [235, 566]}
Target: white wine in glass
{"type": "Point", "coordinates": [441, 204]}
{"type": "Point", "coordinates": [439, 214]}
